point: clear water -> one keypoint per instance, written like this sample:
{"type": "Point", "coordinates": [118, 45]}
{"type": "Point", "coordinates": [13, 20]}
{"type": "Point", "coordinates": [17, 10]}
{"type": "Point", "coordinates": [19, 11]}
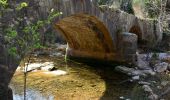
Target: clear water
{"type": "Point", "coordinates": [30, 95]}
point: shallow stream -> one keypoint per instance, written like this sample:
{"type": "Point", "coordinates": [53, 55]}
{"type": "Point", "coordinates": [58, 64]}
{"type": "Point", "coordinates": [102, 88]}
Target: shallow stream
{"type": "Point", "coordinates": [83, 82]}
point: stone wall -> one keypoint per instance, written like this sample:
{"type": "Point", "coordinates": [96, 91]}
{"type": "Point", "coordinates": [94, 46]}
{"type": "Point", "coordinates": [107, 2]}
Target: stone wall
{"type": "Point", "coordinates": [117, 22]}
{"type": "Point", "coordinates": [113, 19]}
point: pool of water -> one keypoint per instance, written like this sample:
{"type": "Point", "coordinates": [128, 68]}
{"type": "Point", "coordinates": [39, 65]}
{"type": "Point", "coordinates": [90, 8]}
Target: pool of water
{"type": "Point", "coordinates": [84, 82]}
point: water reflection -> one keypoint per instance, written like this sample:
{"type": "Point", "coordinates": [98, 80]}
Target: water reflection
{"type": "Point", "coordinates": [31, 95]}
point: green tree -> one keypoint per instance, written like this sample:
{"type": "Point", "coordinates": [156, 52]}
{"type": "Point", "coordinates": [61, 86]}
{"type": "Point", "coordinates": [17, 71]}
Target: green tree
{"type": "Point", "coordinates": [21, 36]}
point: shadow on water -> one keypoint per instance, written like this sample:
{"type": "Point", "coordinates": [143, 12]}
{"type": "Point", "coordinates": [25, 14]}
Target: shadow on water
{"type": "Point", "coordinates": [116, 83]}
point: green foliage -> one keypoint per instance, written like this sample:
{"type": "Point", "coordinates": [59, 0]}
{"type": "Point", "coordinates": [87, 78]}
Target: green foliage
{"type": "Point", "coordinates": [10, 36]}
{"type": "Point", "coordinates": [24, 39]}
{"type": "Point", "coordinates": [12, 51]}
{"type": "Point", "coordinates": [32, 30]}
{"type": "Point", "coordinates": [22, 5]}
{"type": "Point", "coordinates": [11, 33]}
{"type": "Point", "coordinates": [3, 3]}
{"type": "Point", "coordinates": [52, 15]}
{"type": "Point", "coordinates": [152, 7]}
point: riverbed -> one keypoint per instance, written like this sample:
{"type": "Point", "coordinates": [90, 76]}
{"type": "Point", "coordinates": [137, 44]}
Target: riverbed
{"type": "Point", "coordinates": [82, 82]}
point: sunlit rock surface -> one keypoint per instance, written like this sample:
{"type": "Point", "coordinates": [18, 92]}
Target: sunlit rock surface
{"type": "Point", "coordinates": [45, 66]}
{"type": "Point", "coordinates": [56, 73]}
